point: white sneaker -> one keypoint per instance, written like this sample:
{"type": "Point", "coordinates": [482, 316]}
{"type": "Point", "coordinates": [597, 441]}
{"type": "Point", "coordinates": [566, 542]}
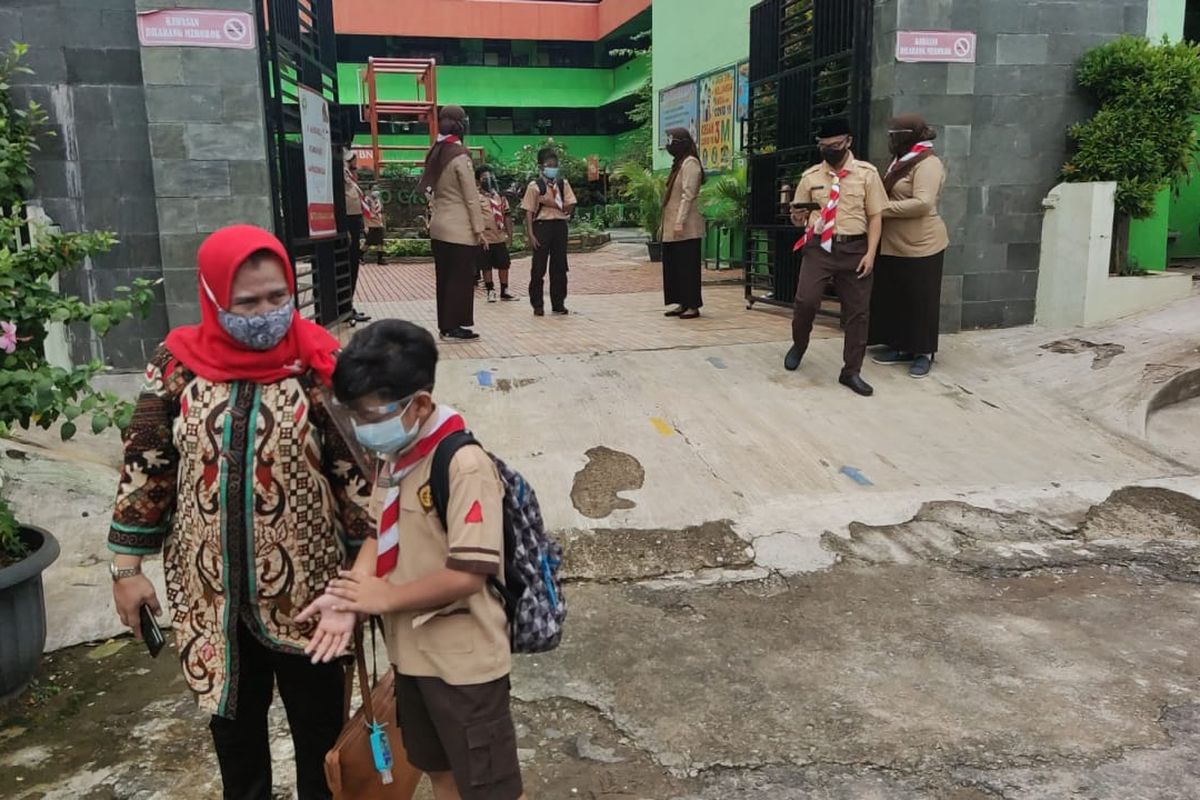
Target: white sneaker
{"type": "Point", "coordinates": [491, 295]}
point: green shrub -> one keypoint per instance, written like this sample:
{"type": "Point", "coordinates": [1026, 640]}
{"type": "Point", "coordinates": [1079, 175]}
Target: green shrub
{"type": "Point", "coordinates": [1143, 136]}
{"type": "Point", "coordinates": [644, 189]}
{"type": "Point", "coordinates": [409, 248]}
{"type": "Point", "coordinates": [32, 391]}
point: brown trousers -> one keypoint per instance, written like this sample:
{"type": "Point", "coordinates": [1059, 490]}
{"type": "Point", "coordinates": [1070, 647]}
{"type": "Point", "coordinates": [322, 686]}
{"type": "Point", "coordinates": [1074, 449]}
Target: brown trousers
{"type": "Point", "coordinates": [840, 267]}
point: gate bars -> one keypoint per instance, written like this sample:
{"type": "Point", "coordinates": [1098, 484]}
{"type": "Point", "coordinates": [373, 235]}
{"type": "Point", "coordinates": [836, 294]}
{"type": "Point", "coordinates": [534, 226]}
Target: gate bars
{"type": "Point", "coordinates": [810, 61]}
{"type": "Point", "coordinates": [298, 48]}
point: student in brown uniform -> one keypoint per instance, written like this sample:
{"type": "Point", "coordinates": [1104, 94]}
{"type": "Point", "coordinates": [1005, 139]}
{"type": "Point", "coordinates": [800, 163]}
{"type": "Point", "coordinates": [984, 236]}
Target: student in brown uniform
{"type": "Point", "coordinates": [839, 246]}
{"type": "Point", "coordinates": [682, 227]}
{"type": "Point", "coordinates": [906, 302]}
{"type": "Point", "coordinates": [455, 226]}
{"type": "Point", "coordinates": [447, 633]}
{"type": "Point", "coordinates": [497, 232]}
{"type": "Point", "coordinates": [548, 204]}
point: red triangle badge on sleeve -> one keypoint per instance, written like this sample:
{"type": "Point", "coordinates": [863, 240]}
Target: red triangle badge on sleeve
{"type": "Point", "coordinates": [475, 515]}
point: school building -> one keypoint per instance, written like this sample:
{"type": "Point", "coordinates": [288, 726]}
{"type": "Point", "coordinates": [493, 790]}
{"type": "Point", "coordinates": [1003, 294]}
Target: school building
{"type": "Point", "coordinates": [523, 70]}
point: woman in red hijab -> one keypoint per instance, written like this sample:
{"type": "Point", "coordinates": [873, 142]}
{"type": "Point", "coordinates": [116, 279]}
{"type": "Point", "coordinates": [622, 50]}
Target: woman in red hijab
{"type": "Point", "coordinates": [235, 471]}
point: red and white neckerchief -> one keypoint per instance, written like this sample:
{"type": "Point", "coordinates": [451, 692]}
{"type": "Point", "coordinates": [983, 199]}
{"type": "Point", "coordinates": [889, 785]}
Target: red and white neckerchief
{"type": "Point", "coordinates": [449, 137]}
{"type": "Point", "coordinates": [556, 194]}
{"type": "Point", "coordinates": [917, 149]}
{"type": "Point", "coordinates": [497, 204]}
{"type": "Point", "coordinates": [828, 223]}
{"type": "Point", "coordinates": [445, 421]}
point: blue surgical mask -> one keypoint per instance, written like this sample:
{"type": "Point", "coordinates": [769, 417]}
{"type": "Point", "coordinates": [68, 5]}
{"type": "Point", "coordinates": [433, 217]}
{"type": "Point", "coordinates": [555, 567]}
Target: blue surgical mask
{"type": "Point", "coordinates": [551, 173]}
{"type": "Point", "coordinates": [389, 436]}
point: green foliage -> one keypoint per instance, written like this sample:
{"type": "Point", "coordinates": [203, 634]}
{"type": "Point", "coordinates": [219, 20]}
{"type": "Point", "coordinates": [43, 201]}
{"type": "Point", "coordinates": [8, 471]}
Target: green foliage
{"type": "Point", "coordinates": [408, 248]}
{"type": "Point", "coordinates": [723, 197]}
{"type": "Point", "coordinates": [523, 166]}
{"type": "Point", "coordinates": [638, 146]}
{"type": "Point", "coordinates": [645, 190]}
{"type": "Point", "coordinates": [1142, 136]}
{"type": "Point", "coordinates": [32, 391]}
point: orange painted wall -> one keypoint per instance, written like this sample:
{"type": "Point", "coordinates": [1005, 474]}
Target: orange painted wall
{"type": "Point", "coordinates": [485, 19]}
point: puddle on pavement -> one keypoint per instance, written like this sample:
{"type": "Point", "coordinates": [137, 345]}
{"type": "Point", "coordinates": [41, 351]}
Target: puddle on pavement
{"type": "Point", "coordinates": [598, 486]}
{"type": "Point", "coordinates": [1102, 354]}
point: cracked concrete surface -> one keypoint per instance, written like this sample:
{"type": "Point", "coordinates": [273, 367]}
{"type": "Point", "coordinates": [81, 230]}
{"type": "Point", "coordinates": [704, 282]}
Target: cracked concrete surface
{"type": "Point", "coordinates": [967, 654]}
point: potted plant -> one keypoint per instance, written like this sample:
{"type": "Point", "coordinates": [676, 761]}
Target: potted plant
{"type": "Point", "coordinates": [723, 200]}
{"type": "Point", "coordinates": [646, 191]}
{"type": "Point", "coordinates": [33, 391]}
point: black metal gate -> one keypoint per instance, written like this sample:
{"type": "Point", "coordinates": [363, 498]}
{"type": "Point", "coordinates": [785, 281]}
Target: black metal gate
{"type": "Point", "coordinates": [810, 61]}
{"type": "Point", "coordinates": [299, 49]}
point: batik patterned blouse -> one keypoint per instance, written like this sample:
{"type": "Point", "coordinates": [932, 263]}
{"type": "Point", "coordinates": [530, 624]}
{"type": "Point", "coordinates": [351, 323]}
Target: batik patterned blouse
{"type": "Point", "coordinates": [254, 500]}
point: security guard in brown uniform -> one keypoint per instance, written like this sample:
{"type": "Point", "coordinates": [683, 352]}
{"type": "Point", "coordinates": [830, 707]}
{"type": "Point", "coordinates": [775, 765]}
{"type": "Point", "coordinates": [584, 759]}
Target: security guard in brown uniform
{"type": "Point", "coordinates": [839, 245]}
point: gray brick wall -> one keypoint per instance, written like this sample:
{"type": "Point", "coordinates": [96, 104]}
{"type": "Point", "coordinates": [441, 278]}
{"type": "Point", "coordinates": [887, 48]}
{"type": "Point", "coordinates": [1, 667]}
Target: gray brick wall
{"type": "Point", "coordinates": [1002, 126]}
{"type": "Point", "coordinates": [207, 139]}
{"type": "Point", "coordinates": [95, 172]}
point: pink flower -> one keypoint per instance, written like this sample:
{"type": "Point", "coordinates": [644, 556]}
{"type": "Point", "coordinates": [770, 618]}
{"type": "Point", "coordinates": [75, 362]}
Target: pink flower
{"type": "Point", "coordinates": [8, 337]}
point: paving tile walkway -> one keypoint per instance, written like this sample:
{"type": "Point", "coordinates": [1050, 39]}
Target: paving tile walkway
{"type": "Point", "coordinates": [615, 300]}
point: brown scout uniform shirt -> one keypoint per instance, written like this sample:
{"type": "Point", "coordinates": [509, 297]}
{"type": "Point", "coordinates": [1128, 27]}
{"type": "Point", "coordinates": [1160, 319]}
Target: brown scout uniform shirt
{"type": "Point", "coordinates": [862, 195]}
{"type": "Point", "coordinates": [454, 208]}
{"type": "Point", "coordinates": [465, 643]}
{"type": "Point", "coordinates": [912, 227]}
{"type": "Point", "coordinates": [493, 233]}
{"type": "Point", "coordinates": [532, 202]}
{"type": "Point", "coordinates": [681, 205]}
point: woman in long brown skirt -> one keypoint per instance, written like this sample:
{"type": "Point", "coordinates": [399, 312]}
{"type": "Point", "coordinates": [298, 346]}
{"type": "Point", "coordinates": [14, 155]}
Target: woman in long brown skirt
{"type": "Point", "coordinates": [683, 227]}
{"type": "Point", "coordinates": [907, 296]}
{"type": "Point", "coordinates": [456, 226]}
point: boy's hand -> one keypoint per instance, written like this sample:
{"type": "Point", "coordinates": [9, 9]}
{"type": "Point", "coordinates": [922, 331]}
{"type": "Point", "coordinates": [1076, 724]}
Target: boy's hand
{"type": "Point", "coordinates": [361, 594]}
{"type": "Point", "coordinates": [334, 630]}
{"type": "Point", "coordinates": [533, 240]}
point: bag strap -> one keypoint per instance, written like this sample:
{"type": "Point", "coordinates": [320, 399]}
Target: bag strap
{"type": "Point", "coordinates": [439, 488]}
{"type": "Point", "coordinates": [360, 664]}
{"type": "Point", "coordinates": [439, 473]}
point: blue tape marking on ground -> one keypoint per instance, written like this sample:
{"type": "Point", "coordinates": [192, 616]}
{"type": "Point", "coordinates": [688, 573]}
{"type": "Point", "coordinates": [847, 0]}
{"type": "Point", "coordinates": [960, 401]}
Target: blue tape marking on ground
{"type": "Point", "coordinates": [484, 376]}
{"type": "Point", "coordinates": [717, 362]}
{"type": "Point", "coordinates": [853, 474]}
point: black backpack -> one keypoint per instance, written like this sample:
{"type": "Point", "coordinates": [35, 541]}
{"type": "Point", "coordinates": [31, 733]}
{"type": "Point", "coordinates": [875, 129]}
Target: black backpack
{"type": "Point", "coordinates": [531, 592]}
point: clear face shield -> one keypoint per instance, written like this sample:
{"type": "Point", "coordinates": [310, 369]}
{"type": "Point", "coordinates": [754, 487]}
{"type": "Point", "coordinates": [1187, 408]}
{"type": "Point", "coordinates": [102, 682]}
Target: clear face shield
{"type": "Point", "coordinates": [376, 466]}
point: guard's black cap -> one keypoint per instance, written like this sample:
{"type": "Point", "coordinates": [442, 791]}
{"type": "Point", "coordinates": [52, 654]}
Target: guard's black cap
{"type": "Point", "coordinates": [834, 127]}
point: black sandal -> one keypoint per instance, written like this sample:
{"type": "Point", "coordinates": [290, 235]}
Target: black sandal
{"type": "Point", "coordinates": [674, 312]}
{"type": "Point", "coordinates": [690, 315]}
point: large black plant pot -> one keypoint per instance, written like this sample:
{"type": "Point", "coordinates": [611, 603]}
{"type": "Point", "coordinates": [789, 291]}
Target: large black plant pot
{"type": "Point", "coordinates": [23, 612]}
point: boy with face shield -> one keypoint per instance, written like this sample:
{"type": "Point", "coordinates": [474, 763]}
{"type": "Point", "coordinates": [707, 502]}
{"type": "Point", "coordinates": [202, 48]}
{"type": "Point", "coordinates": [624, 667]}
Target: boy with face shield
{"type": "Point", "coordinates": [447, 633]}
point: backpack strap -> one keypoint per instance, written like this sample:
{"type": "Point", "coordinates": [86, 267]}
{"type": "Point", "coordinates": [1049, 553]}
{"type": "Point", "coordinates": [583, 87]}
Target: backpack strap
{"type": "Point", "coordinates": [439, 474]}
{"type": "Point", "coordinates": [541, 184]}
{"type": "Point", "coordinates": [439, 488]}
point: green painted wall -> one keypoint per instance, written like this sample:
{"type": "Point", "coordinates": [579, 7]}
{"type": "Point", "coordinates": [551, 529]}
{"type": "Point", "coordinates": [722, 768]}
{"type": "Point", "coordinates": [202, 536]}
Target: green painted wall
{"type": "Point", "coordinates": [1185, 217]}
{"type": "Point", "coordinates": [1148, 237]}
{"type": "Point", "coordinates": [502, 148]}
{"type": "Point", "coordinates": [692, 38]}
{"type": "Point", "coordinates": [517, 87]}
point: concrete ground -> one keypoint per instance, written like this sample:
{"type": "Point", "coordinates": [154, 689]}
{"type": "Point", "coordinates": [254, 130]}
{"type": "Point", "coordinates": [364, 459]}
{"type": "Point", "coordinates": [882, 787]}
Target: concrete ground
{"type": "Point", "coordinates": [981, 585]}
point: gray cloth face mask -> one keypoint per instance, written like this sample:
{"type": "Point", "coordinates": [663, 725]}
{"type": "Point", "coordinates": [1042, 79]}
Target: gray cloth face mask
{"type": "Point", "coordinates": [258, 331]}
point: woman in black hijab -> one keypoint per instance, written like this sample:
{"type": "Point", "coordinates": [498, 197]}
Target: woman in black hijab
{"type": "Point", "coordinates": [682, 227]}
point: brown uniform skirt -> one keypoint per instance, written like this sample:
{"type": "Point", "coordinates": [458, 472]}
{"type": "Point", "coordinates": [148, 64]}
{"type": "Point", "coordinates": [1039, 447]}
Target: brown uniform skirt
{"type": "Point", "coordinates": [906, 303]}
{"type": "Point", "coordinates": [455, 266]}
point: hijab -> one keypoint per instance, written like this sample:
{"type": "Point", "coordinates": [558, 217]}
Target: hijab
{"type": "Point", "coordinates": [917, 132]}
{"type": "Point", "coordinates": [452, 127]}
{"type": "Point", "coordinates": [211, 353]}
{"type": "Point", "coordinates": [682, 148]}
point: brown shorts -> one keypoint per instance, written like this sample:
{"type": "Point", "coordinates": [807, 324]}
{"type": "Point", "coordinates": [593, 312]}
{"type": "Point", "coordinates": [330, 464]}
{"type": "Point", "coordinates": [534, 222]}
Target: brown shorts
{"type": "Point", "coordinates": [466, 730]}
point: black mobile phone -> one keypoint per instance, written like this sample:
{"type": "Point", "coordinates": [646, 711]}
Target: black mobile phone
{"type": "Point", "coordinates": [152, 635]}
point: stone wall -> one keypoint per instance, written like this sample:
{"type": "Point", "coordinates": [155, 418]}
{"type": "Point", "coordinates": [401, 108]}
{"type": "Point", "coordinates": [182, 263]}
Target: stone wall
{"type": "Point", "coordinates": [208, 148]}
{"type": "Point", "coordinates": [95, 172]}
{"type": "Point", "coordinates": [1002, 125]}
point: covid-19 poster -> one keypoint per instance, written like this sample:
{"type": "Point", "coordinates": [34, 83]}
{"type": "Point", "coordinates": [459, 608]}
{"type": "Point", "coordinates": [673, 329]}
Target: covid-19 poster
{"type": "Point", "coordinates": [743, 90]}
{"type": "Point", "coordinates": [717, 98]}
{"type": "Point", "coordinates": [677, 109]}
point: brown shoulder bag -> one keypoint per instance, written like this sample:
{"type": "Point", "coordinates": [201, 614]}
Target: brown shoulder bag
{"type": "Point", "coordinates": [350, 765]}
